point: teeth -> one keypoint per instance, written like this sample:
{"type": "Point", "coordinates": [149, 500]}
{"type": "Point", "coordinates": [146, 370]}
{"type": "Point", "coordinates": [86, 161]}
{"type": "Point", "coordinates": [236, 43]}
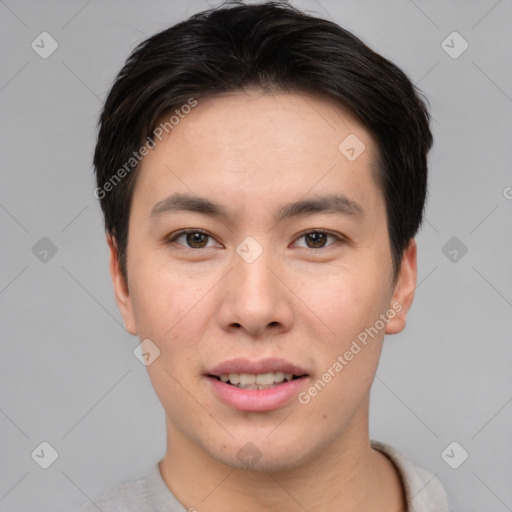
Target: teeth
{"type": "Point", "coordinates": [246, 379]}
{"type": "Point", "coordinates": [264, 378]}
{"type": "Point", "coordinates": [259, 381]}
{"type": "Point", "coordinates": [234, 378]}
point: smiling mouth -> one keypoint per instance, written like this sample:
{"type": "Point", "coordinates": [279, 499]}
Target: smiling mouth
{"type": "Point", "coordinates": [256, 381]}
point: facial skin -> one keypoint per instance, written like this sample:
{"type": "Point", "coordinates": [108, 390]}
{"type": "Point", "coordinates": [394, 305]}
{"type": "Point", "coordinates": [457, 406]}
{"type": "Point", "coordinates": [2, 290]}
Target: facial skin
{"type": "Point", "coordinates": [303, 299]}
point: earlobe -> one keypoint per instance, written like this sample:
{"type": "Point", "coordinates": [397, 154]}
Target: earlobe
{"type": "Point", "coordinates": [403, 294]}
{"type": "Point", "coordinates": [122, 294]}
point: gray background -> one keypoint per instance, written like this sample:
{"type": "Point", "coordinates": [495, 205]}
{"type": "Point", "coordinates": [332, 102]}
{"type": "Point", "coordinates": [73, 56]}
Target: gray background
{"type": "Point", "coordinates": [68, 375]}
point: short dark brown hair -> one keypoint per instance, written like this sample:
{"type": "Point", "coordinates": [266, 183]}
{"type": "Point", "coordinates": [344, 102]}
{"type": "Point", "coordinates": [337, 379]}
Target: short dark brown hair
{"type": "Point", "coordinates": [270, 46]}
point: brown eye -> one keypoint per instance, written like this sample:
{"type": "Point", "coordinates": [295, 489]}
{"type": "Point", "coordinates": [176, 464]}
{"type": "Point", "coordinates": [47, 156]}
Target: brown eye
{"type": "Point", "coordinates": [317, 239]}
{"type": "Point", "coordinates": [193, 239]}
{"type": "Point", "coordinates": [196, 240]}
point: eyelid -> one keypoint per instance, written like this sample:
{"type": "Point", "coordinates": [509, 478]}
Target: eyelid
{"type": "Point", "coordinates": [337, 236]}
{"type": "Point", "coordinates": [173, 236]}
{"type": "Point", "coordinates": [177, 234]}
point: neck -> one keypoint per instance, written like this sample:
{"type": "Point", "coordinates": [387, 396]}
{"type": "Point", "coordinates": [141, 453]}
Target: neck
{"type": "Point", "coordinates": [344, 476]}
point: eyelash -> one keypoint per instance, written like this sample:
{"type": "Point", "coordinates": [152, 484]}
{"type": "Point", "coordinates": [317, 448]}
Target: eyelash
{"type": "Point", "coordinates": [172, 238]}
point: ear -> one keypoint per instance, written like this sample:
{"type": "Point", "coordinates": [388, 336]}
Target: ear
{"type": "Point", "coordinates": [124, 302]}
{"type": "Point", "coordinates": [403, 293]}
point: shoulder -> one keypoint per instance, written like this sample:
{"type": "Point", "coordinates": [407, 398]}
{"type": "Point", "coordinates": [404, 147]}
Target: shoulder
{"type": "Point", "coordinates": [424, 492]}
{"type": "Point", "coordinates": [125, 497]}
{"type": "Point", "coordinates": [146, 494]}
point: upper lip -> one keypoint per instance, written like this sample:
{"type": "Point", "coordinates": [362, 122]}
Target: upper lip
{"type": "Point", "coordinates": [244, 365]}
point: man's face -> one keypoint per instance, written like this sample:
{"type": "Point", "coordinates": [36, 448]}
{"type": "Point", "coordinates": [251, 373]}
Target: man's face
{"type": "Point", "coordinates": [251, 293]}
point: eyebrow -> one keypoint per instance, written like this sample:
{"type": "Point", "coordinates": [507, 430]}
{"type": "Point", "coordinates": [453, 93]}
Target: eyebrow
{"type": "Point", "coordinates": [332, 203]}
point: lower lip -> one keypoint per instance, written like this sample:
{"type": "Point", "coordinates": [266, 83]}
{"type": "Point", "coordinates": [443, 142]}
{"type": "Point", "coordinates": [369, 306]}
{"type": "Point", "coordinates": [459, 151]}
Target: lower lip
{"type": "Point", "coordinates": [257, 400]}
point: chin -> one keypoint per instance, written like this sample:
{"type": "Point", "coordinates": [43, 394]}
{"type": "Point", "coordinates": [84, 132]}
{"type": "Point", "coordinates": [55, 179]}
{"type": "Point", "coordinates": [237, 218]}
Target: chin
{"type": "Point", "coordinates": [267, 463]}
{"type": "Point", "coordinates": [263, 455]}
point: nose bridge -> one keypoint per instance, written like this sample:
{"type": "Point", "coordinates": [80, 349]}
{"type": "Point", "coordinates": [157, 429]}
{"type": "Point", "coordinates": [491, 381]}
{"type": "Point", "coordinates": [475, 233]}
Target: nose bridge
{"type": "Point", "coordinates": [253, 278]}
{"type": "Point", "coordinates": [254, 299]}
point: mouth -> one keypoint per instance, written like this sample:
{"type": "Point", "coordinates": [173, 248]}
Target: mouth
{"type": "Point", "coordinates": [257, 381]}
{"type": "Point", "coordinates": [257, 386]}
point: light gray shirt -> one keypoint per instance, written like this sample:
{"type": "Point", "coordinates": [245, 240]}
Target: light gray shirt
{"type": "Point", "coordinates": [423, 491]}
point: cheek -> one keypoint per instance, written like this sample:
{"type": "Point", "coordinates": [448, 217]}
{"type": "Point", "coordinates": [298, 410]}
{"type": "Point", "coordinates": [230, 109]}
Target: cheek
{"type": "Point", "coordinates": [351, 305]}
{"type": "Point", "coordinates": [163, 301]}
{"type": "Point", "coordinates": [349, 300]}
{"type": "Point", "coordinates": [173, 312]}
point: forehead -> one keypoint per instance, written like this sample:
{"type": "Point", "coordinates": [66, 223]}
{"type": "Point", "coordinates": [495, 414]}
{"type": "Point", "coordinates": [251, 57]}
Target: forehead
{"type": "Point", "coordinates": [283, 121]}
{"type": "Point", "coordinates": [252, 145]}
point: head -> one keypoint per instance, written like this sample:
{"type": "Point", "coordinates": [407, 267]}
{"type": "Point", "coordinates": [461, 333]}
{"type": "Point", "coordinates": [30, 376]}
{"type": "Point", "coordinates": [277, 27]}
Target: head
{"type": "Point", "coordinates": [217, 125]}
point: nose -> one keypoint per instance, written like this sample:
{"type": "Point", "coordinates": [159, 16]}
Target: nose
{"type": "Point", "coordinates": [255, 298]}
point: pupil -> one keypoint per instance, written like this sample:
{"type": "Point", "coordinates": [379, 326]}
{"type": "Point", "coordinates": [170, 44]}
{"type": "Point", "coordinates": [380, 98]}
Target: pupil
{"type": "Point", "coordinates": [195, 238]}
{"type": "Point", "coordinates": [317, 238]}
